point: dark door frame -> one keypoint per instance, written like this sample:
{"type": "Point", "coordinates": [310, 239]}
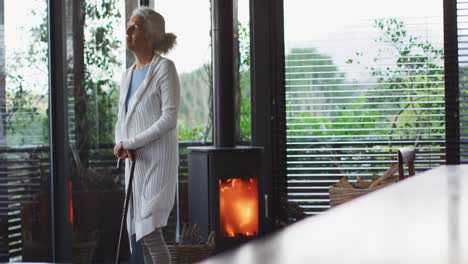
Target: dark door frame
{"type": "Point", "coordinates": [452, 93]}
{"type": "Point", "coordinates": [268, 100]}
{"type": "Point", "coordinates": [61, 229]}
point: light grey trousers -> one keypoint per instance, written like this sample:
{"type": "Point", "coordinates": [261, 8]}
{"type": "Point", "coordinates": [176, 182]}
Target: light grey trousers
{"type": "Point", "coordinates": [154, 248]}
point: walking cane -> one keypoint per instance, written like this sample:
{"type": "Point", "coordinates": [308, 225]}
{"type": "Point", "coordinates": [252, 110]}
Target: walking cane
{"type": "Point", "coordinates": [128, 194]}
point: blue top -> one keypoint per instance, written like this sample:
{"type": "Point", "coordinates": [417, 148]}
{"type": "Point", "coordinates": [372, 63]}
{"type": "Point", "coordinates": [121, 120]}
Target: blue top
{"type": "Point", "coordinates": [137, 78]}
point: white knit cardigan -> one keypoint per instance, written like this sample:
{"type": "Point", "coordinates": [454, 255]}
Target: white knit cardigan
{"type": "Point", "coordinates": [150, 127]}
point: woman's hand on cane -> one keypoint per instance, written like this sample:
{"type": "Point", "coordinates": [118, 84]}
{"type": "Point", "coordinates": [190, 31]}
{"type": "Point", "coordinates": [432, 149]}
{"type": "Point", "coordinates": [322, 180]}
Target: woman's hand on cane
{"type": "Point", "coordinates": [121, 153]}
{"type": "Point", "coordinates": [131, 154]}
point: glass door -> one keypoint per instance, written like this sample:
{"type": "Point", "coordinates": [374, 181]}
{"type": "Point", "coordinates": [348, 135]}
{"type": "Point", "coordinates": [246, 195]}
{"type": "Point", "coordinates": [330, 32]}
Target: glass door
{"type": "Point", "coordinates": [24, 132]}
{"type": "Point", "coordinates": [363, 78]}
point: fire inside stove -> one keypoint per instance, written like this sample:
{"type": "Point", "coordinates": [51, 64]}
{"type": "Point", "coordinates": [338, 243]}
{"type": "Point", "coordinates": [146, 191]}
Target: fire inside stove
{"type": "Point", "coordinates": [238, 207]}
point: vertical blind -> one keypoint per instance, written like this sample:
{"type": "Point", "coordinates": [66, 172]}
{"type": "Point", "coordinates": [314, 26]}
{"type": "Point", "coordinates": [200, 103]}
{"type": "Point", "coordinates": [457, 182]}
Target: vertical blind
{"type": "Point", "coordinates": [353, 99]}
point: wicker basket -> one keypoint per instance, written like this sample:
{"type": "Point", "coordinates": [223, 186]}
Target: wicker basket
{"type": "Point", "coordinates": [189, 253]}
{"type": "Point", "coordinates": [185, 254]}
{"type": "Point", "coordinates": [340, 194]}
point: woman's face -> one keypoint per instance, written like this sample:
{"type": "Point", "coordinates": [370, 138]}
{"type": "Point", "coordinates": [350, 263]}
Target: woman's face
{"type": "Point", "coordinates": [135, 34]}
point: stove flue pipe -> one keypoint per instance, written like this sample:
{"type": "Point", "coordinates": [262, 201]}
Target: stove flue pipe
{"type": "Point", "coordinates": [223, 73]}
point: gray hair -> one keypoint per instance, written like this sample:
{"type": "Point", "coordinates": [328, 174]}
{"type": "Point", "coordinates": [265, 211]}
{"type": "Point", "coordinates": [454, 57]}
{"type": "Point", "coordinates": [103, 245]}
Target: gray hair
{"type": "Point", "coordinates": [155, 29]}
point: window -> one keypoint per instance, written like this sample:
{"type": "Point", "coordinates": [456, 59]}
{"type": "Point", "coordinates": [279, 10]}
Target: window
{"type": "Point", "coordinates": [462, 25]}
{"type": "Point", "coordinates": [24, 132]}
{"type": "Point", "coordinates": [192, 57]}
{"type": "Point", "coordinates": [96, 60]}
{"type": "Point", "coordinates": [359, 85]}
{"type": "Point", "coordinates": [243, 37]}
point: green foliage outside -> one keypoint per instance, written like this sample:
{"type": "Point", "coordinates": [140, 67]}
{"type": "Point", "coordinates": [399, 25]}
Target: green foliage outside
{"type": "Point", "coordinates": [103, 52]}
{"type": "Point", "coordinates": [27, 107]}
{"type": "Point", "coordinates": [244, 83]}
{"type": "Point", "coordinates": [26, 113]}
{"type": "Point", "coordinates": [194, 121]}
{"type": "Point", "coordinates": [24, 120]}
{"type": "Point", "coordinates": [418, 71]}
{"type": "Point", "coordinates": [311, 75]}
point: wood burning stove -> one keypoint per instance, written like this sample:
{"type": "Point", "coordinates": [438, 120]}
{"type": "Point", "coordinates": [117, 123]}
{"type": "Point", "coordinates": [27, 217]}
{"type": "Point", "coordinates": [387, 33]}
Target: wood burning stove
{"type": "Point", "coordinates": [224, 193]}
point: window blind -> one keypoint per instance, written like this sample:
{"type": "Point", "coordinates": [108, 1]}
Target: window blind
{"type": "Point", "coordinates": [462, 32]}
{"type": "Point", "coordinates": [354, 98]}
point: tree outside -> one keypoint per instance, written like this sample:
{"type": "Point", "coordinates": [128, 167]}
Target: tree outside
{"type": "Point", "coordinates": [315, 83]}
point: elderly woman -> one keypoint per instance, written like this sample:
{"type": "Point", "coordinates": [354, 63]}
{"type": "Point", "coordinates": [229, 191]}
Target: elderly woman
{"type": "Point", "coordinates": [146, 130]}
